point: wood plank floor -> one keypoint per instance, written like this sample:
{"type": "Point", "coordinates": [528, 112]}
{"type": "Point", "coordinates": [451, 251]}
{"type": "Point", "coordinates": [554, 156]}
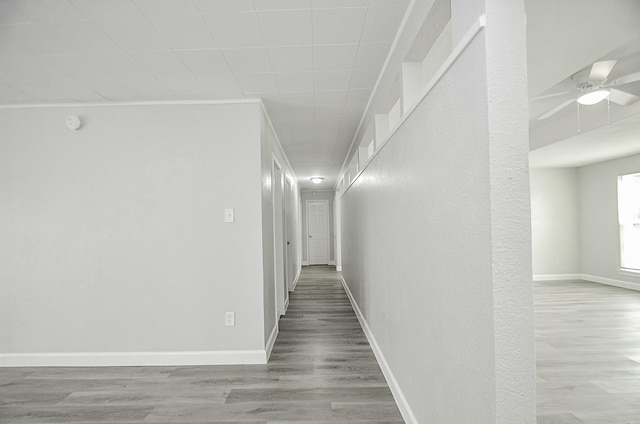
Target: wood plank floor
{"type": "Point", "coordinates": [322, 371]}
{"type": "Point", "coordinates": [588, 353]}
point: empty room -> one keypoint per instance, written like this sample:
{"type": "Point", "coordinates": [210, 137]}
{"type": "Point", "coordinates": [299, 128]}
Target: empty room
{"type": "Point", "coordinates": [319, 211]}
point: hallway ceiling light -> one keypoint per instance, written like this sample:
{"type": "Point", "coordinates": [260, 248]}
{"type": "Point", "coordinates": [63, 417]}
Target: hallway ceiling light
{"type": "Point", "coordinates": [593, 97]}
{"type": "Point", "coordinates": [316, 180]}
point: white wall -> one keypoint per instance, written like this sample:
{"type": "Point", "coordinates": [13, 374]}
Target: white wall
{"type": "Point", "coordinates": [555, 223]}
{"type": "Point", "coordinates": [600, 241]}
{"type": "Point", "coordinates": [436, 237]}
{"type": "Point", "coordinates": [270, 148]}
{"type": "Point", "coordinates": [112, 238]}
{"type": "Point", "coordinates": [319, 195]}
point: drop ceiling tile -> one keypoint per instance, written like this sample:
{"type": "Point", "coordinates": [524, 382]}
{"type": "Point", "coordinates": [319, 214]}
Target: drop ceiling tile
{"type": "Point", "coordinates": [381, 24]}
{"type": "Point", "coordinates": [34, 39]}
{"type": "Point", "coordinates": [330, 97]}
{"type": "Point", "coordinates": [38, 90]}
{"type": "Point", "coordinates": [335, 57]}
{"type": "Point", "coordinates": [364, 78]}
{"type": "Point", "coordinates": [10, 94]}
{"type": "Point", "coordinates": [184, 86]}
{"type": "Point", "coordinates": [372, 55]}
{"type": "Point", "coordinates": [232, 30]}
{"type": "Point", "coordinates": [162, 63]}
{"type": "Point", "coordinates": [208, 61]}
{"type": "Point", "coordinates": [338, 26]}
{"type": "Point", "coordinates": [10, 14]}
{"type": "Point", "coordinates": [295, 82]}
{"type": "Point", "coordinates": [247, 60]}
{"type": "Point", "coordinates": [120, 65]}
{"type": "Point", "coordinates": [291, 59]}
{"type": "Point", "coordinates": [84, 37]}
{"type": "Point", "coordinates": [76, 66]}
{"type": "Point", "coordinates": [75, 90]}
{"type": "Point", "coordinates": [402, 3]}
{"type": "Point", "coordinates": [258, 83]}
{"type": "Point", "coordinates": [183, 32]}
{"type": "Point", "coordinates": [9, 49]}
{"type": "Point", "coordinates": [34, 68]}
{"type": "Point", "coordinates": [111, 9]}
{"type": "Point", "coordinates": [145, 86]}
{"type": "Point", "coordinates": [296, 100]}
{"type": "Point", "coordinates": [286, 27]}
{"type": "Point", "coordinates": [330, 4]}
{"type": "Point", "coordinates": [110, 88]}
{"type": "Point", "coordinates": [46, 11]}
{"type": "Point", "coordinates": [332, 81]}
{"type": "Point", "coordinates": [358, 96]}
{"type": "Point", "coordinates": [133, 34]}
{"type": "Point", "coordinates": [8, 74]}
{"type": "Point", "coordinates": [215, 6]}
{"type": "Point", "coordinates": [282, 4]}
{"type": "Point", "coordinates": [221, 85]}
{"type": "Point", "coordinates": [166, 7]}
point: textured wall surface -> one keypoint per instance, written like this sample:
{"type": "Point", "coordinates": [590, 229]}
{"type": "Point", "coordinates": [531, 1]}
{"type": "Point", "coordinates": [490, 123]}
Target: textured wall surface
{"type": "Point", "coordinates": [112, 238]}
{"type": "Point", "coordinates": [436, 236]}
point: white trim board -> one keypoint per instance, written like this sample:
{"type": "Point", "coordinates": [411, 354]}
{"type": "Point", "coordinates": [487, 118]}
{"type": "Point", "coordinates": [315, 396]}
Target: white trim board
{"type": "Point", "coordinates": [611, 282]}
{"type": "Point", "coordinates": [125, 359]}
{"type": "Point", "coordinates": [271, 342]}
{"type": "Point", "coordinates": [138, 103]}
{"type": "Point", "coordinates": [399, 397]}
{"type": "Point", "coordinates": [556, 277]}
{"type": "Point", "coordinates": [295, 280]}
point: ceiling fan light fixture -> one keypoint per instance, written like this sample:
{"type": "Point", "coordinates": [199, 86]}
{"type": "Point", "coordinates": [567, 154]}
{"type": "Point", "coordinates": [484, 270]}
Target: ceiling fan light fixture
{"type": "Point", "coordinates": [316, 180]}
{"type": "Point", "coordinates": [593, 97]}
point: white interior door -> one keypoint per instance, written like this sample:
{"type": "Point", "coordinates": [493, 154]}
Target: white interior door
{"type": "Point", "coordinates": [318, 231]}
{"type": "Point", "coordinates": [289, 235]}
{"type": "Point", "coordinates": [278, 239]}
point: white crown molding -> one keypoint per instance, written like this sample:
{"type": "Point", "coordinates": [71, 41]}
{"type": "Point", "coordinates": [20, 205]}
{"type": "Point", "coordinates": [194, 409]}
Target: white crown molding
{"type": "Point", "coordinates": [115, 359]}
{"type": "Point", "coordinates": [142, 103]}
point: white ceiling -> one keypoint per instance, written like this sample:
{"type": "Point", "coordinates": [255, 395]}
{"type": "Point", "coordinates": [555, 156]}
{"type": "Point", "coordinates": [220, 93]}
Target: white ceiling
{"type": "Point", "coordinates": [313, 62]}
{"type": "Point", "coordinates": [565, 38]}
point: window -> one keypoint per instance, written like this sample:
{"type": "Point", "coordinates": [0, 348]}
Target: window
{"type": "Point", "coordinates": [629, 217]}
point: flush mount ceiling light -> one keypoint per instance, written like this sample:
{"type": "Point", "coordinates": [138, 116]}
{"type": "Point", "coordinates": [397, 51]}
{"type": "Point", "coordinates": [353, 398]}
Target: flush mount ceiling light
{"type": "Point", "coordinates": [316, 180]}
{"type": "Point", "coordinates": [593, 97]}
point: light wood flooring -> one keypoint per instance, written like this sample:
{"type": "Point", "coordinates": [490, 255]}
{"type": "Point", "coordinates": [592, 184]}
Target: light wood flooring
{"type": "Point", "coordinates": [321, 371]}
{"type": "Point", "coordinates": [588, 353]}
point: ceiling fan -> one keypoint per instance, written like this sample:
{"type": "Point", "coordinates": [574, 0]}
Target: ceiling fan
{"type": "Point", "coordinates": [594, 88]}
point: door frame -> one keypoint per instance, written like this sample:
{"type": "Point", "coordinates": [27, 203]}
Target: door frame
{"type": "Point", "coordinates": [326, 226]}
{"type": "Point", "coordinates": [281, 292]}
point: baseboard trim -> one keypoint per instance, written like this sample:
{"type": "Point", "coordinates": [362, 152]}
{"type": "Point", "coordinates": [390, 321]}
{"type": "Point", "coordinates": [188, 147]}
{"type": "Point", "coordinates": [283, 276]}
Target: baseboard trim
{"type": "Point", "coordinates": [295, 280]}
{"type": "Point", "coordinates": [272, 341]}
{"type": "Point", "coordinates": [556, 277]}
{"type": "Point", "coordinates": [332, 262]}
{"type": "Point", "coordinates": [339, 268]}
{"type": "Point", "coordinates": [305, 263]}
{"type": "Point", "coordinates": [611, 282]}
{"type": "Point", "coordinates": [125, 359]}
{"type": "Point", "coordinates": [401, 400]}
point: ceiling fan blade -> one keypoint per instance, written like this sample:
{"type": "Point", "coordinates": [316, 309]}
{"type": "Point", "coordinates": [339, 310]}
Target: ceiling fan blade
{"type": "Point", "coordinates": [556, 109]}
{"type": "Point", "coordinates": [549, 96]}
{"type": "Point", "coordinates": [622, 98]}
{"type": "Point", "coordinates": [627, 79]}
{"type": "Point", "coordinates": [600, 70]}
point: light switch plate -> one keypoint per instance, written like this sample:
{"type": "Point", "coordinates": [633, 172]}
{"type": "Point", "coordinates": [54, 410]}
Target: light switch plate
{"type": "Point", "coordinates": [230, 319]}
{"type": "Point", "coordinates": [229, 215]}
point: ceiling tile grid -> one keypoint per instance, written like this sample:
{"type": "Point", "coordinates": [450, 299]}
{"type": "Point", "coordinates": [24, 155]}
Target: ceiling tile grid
{"type": "Point", "coordinates": [313, 62]}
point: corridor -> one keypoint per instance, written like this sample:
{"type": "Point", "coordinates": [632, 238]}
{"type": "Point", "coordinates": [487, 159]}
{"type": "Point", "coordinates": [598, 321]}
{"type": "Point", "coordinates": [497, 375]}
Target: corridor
{"type": "Point", "coordinates": [322, 370]}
